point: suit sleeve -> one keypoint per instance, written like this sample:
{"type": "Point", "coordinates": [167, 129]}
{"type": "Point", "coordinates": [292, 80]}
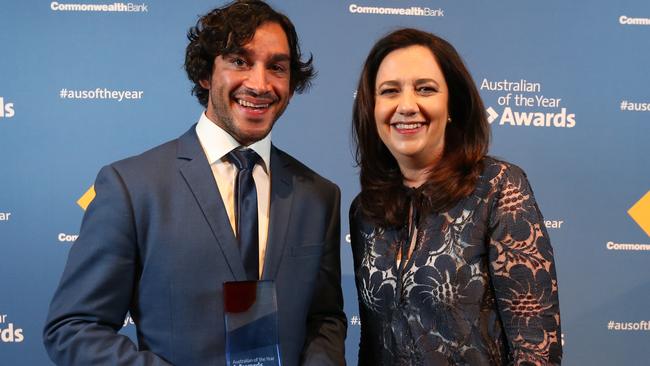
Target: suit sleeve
{"type": "Point", "coordinates": [326, 321]}
{"type": "Point", "coordinates": [522, 271]}
{"type": "Point", "coordinates": [97, 286]}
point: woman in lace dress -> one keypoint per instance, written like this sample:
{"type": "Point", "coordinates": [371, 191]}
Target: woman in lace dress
{"type": "Point", "coordinates": [453, 264]}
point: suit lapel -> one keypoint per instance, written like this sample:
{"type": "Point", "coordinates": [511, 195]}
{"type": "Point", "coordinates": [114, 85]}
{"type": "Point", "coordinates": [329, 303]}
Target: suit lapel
{"type": "Point", "coordinates": [279, 215]}
{"type": "Point", "coordinates": [200, 180]}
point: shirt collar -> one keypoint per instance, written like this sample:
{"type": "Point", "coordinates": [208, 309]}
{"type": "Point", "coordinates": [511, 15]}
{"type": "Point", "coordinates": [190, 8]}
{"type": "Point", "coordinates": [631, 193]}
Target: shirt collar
{"type": "Point", "coordinates": [216, 142]}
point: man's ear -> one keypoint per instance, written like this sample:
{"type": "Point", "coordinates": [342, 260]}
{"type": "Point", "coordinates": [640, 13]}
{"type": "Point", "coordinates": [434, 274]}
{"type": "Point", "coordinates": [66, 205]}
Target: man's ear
{"type": "Point", "coordinates": [205, 84]}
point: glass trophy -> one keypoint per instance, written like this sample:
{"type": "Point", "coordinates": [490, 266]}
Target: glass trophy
{"type": "Point", "coordinates": [251, 317]}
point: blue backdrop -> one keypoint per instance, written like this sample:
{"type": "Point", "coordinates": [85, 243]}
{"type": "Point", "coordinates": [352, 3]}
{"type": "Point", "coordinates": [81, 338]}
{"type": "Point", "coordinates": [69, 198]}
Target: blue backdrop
{"type": "Point", "coordinates": [565, 85]}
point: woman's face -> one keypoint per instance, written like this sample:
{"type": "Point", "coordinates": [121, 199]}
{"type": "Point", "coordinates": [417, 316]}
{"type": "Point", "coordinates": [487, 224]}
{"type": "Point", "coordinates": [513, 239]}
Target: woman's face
{"type": "Point", "coordinates": [411, 106]}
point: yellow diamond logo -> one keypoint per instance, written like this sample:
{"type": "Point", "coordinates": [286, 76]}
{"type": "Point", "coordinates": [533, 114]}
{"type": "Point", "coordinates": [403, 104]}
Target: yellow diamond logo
{"type": "Point", "coordinates": [87, 197]}
{"type": "Point", "coordinates": [640, 213]}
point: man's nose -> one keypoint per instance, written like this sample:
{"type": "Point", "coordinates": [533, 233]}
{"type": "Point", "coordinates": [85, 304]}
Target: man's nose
{"type": "Point", "coordinates": [257, 79]}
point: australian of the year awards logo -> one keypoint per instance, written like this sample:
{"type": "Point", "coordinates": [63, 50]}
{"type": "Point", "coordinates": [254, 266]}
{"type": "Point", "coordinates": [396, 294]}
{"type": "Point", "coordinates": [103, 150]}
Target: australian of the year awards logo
{"type": "Point", "coordinates": [9, 332]}
{"type": "Point", "coordinates": [521, 103]}
{"type": "Point", "coordinates": [5, 216]}
{"type": "Point", "coordinates": [554, 224]}
{"type": "Point", "coordinates": [6, 108]}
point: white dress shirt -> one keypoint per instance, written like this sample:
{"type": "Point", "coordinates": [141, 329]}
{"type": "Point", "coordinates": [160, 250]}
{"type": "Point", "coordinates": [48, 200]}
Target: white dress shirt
{"type": "Point", "coordinates": [216, 144]}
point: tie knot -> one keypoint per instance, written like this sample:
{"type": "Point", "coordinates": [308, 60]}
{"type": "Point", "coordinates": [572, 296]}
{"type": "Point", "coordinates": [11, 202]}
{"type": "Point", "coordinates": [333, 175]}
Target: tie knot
{"type": "Point", "coordinates": [244, 159]}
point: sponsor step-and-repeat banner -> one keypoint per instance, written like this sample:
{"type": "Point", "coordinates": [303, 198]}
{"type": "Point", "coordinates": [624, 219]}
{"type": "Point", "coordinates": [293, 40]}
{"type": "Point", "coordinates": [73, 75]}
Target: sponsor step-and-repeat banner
{"type": "Point", "coordinates": [565, 86]}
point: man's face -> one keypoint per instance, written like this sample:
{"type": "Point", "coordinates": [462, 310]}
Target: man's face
{"type": "Point", "coordinates": [249, 89]}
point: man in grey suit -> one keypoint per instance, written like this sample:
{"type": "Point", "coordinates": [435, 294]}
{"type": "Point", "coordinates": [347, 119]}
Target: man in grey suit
{"type": "Point", "coordinates": [160, 238]}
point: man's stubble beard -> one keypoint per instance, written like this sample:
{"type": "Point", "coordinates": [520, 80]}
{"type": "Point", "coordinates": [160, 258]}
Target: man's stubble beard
{"type": "Point", "coordinates": [225, 119]}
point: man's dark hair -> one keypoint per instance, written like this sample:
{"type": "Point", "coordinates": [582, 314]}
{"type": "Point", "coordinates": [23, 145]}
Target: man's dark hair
{"type": "Point", "coordinates": [383, 196]}
{"type": "Point", "coordinates": [226, 29]}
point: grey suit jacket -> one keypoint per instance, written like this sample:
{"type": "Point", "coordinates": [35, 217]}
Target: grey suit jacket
{"type": "Point", "coordinates": [156, 242]}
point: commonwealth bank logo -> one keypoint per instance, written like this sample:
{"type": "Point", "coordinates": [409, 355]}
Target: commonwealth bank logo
{"type": "Point", "coordinates": [86, 198]}
{"type": "Point", "coordinates": [113, 7]}
{"type": "Point", "coordinates": [640, 213]}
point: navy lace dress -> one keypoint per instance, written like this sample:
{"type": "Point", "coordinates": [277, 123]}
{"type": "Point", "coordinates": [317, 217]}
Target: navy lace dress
{"type": "Point", "coordinates": [478, 289]}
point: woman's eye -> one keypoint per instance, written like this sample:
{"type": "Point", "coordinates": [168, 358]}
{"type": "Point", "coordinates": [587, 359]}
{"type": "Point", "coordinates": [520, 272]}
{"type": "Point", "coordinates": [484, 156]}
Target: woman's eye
{"type": "Point", "coordinates": [426, 90]}
{"type": "Point", "coordinates": [387, 91]}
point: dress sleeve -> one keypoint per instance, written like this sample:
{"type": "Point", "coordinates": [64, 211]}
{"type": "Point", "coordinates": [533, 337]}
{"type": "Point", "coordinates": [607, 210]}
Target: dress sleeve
{"type": "Point", "coordinates": [364, 354]}
{"type": "Point", "coordinates": [522, 272]}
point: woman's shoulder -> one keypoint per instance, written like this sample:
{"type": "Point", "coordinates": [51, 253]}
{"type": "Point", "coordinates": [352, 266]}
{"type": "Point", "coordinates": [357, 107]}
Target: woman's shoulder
{"type": "Point", "coordinates": [496, 176]}
{"type": "Point", "coordinates": [359, 221]}
{"type": "Point", "coordinates": [355, 206]}
{"type": "Point", "coordinates": [356, 215]}
{"type": "Point", "coordinates": [495, 170]}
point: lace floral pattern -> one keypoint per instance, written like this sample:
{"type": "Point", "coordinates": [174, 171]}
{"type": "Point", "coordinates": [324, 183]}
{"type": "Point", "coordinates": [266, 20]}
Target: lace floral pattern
{"type": "Point", "coordinates": [479, 289]}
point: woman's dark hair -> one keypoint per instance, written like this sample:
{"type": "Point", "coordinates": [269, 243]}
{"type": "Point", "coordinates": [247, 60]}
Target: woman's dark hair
{"type": "Point", "coordinates": [225, 30]}
{"type": "Point", "coordinates": [383, 195]}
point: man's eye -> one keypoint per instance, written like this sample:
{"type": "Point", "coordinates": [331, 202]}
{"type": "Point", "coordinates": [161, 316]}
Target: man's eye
{"type": "Point", "coordinates": [238, 61]}
{"type": "Point", "coordinates": [278, 68]}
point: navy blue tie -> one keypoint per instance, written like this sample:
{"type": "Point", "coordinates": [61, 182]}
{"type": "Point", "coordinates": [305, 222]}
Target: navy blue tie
{"type": "Point", "coordinates": [246, 209]}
